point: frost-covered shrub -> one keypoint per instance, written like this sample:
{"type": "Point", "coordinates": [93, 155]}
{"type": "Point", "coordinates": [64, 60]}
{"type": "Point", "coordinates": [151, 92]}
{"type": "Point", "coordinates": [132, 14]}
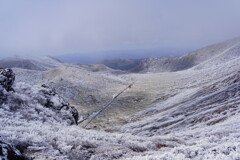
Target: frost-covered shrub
{"type": "Point", "coordinates": [38, 121]}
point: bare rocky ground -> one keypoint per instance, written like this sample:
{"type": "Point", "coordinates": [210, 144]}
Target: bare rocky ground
{"type": "Point", "coordinates": [186, 114]}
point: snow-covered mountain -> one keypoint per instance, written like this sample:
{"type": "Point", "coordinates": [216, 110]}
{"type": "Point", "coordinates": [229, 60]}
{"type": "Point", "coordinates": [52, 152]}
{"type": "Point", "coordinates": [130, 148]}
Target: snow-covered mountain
{"type": "Point", "coordinates": [204, 57]}
{"type": "Point", "coordinates": [39, 63]}
{"type": "Point", "coordinates": [187, 108]}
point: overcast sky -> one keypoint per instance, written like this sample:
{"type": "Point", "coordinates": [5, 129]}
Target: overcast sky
{"type": "Point", "coordinates": [52, 27]}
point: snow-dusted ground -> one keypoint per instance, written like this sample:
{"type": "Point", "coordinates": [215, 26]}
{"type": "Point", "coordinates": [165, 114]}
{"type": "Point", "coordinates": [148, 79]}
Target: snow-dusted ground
{"type": "Point", "coordinates": [204, 113]}
{"type": "Point", "coordinates": [46, 134]}
{"type": "Point", "coordinates": [219, 141]}
{"type": "Point", "coordinates": [206, 119]}
{"type": "Point", "coordinates": [189, 114]}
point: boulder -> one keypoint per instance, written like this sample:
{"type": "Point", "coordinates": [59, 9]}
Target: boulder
{"type": "Point", "coordinates": [7, 78]}
{"type": "Point", "coordinates": [50, 99]}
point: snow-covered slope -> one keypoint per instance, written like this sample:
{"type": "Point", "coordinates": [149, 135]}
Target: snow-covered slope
{"type": "Point", "coordinates": [205, 105]}
{"type": "Point", "coordinates": [204, 57]}
{"type": "Point", "coordinates": [43, 130]}
{"type": "Point", "coordinates": [204, 113]}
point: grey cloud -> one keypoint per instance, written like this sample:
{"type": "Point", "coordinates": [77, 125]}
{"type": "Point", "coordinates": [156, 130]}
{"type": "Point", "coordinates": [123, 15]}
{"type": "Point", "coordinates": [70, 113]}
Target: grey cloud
{"type": "Point", "coordinates": [58, 26]}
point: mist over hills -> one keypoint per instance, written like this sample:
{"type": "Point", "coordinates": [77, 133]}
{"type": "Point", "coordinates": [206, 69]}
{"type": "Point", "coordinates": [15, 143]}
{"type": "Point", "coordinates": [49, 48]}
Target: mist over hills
{"type": "Point", "coordinates": [90, 58]}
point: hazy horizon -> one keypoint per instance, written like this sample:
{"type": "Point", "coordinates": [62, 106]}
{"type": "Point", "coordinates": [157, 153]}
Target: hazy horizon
{"type": "Point", "coordinates": [110, 29]}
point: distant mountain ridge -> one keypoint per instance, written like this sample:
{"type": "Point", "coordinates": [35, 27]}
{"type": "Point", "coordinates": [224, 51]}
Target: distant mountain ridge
{"type": "Point", "coordinates": [121, 63]}
{"type": "Point", "coordinates": [204, 57]}
{"type": "Point", "coordinates": [201, 57]}
{"type": "Point", "coordinates": [31, 62]}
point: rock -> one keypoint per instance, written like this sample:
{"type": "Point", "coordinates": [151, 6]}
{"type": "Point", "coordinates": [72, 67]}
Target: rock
{"type": "Point", "coordinates": [9, 152]}
{"type": "Point", "coordinates": [74, 113]}
{"type": "Point", "coordinates": [44, 95]}
{"type": "Point", "coordinates": [7, 78]}
{"type": "Point", "coordinates": [3, 97]}
{"type": "Point", "coordinates": [50, 99]}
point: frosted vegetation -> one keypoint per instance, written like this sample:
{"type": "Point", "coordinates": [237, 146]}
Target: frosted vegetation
{"type": "Point", "coordinates": [189, 114]}
{"type": "Point", "coordinates": [47, 133]}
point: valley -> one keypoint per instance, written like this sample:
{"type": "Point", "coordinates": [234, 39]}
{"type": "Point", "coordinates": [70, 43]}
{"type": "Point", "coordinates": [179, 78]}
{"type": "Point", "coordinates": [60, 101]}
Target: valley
{"type": "Point", "coordinates": [184, 107]}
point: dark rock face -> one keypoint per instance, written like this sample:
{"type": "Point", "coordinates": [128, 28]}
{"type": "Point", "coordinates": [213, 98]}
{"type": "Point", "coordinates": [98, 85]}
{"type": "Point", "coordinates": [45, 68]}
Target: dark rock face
{"type": "Point", "coordinates": [7, 78]}
{"type": "Point", "coordinates": [9, 152]}
{"type": "Point", "coordinates": [50, 99]}
{"type": "Point", "coordinates": [74, 113]}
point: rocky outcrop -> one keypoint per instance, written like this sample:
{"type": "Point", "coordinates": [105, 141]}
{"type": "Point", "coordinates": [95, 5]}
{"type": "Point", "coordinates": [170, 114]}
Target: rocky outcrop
{"type": "Point", "coordinates": [9, 151]}
{"type": "Point", "coordinates": [50, 99]}
{"type": "Point", "coordinates": [44, 95]}
{"type": "Point", "coordinates": [32, 104]}
{"type": "Point", "coordinates": [7, 78]}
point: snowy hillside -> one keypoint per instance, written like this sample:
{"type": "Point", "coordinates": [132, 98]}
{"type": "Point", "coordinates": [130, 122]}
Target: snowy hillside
{"type": "Point", "coordinates": [192, 113]}
{"type": "Point", "coordinates": [203, 57]}
{"type": "Point", "coordinates": [45, 131]}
